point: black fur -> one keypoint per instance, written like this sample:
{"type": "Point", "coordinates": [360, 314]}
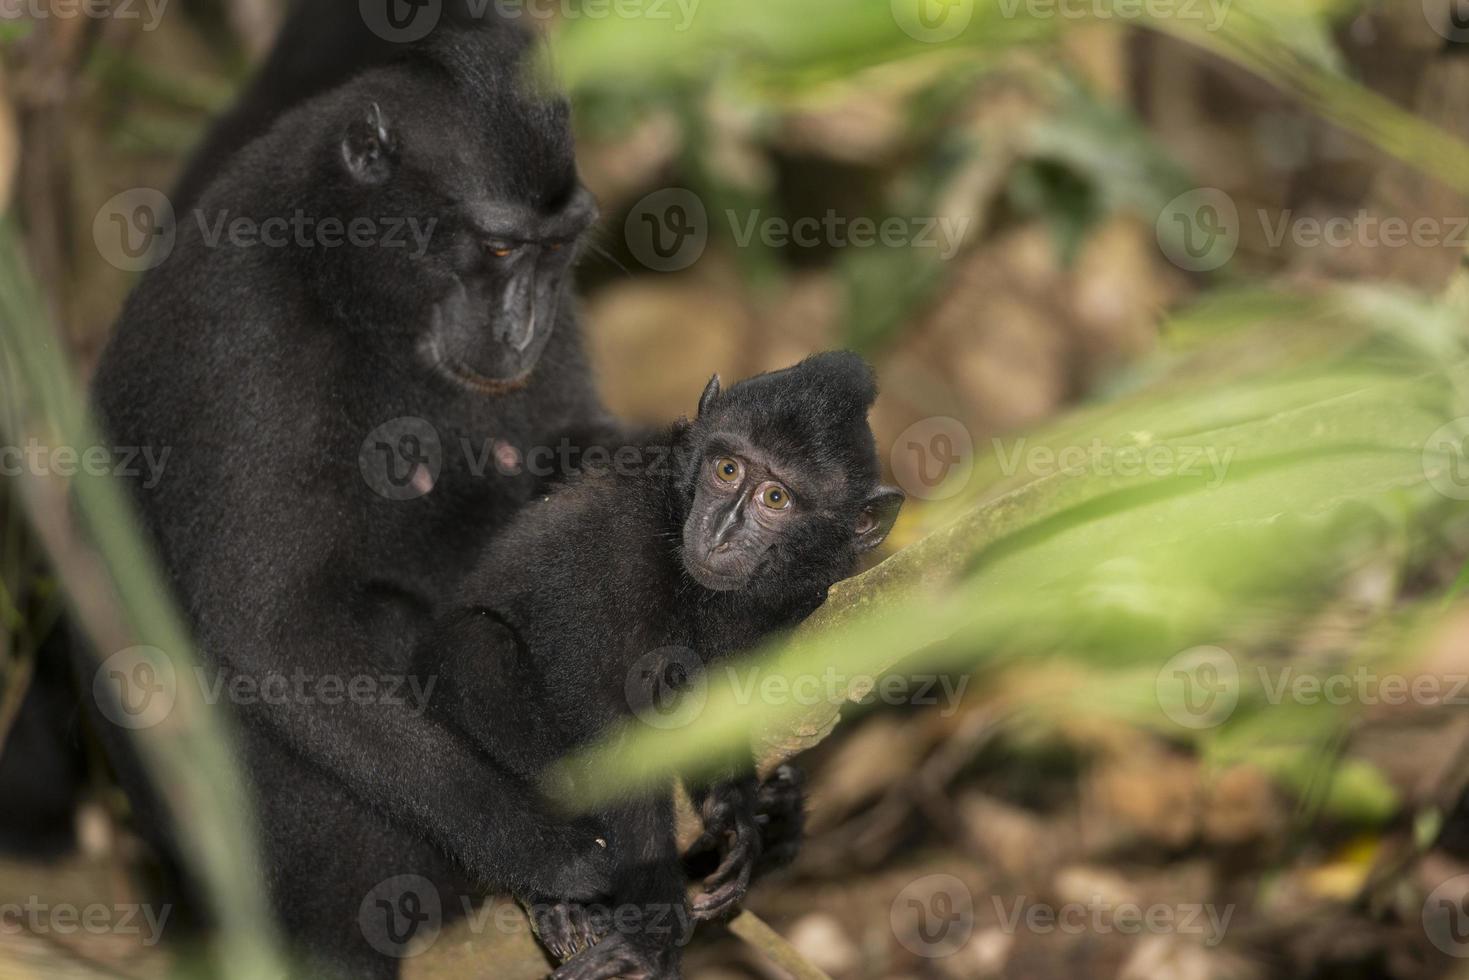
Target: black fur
{"type": "Point", "coordinates": [262, 370]}
{"type": "Point", "coordinates": [42, 767]}
{"type": "Point", "coordinates": [322, 44]}
{"type": "Point", "coordinates": [532, 667]}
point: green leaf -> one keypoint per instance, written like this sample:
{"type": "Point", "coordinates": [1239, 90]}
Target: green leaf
{"type": "Point", "coordinates": [1113, 564]}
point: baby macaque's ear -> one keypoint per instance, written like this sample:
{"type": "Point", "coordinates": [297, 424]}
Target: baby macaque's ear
{"type": "Point", "coordinates": [711, 391]}
{"type": "Point", "coordinates": [878, 516]}
{"type": "Point", "coordinates": [369, 146]}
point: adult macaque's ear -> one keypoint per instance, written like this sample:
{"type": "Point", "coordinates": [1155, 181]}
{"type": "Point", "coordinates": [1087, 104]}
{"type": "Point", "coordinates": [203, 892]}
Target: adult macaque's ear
{"type": "Point", "coordinates": [711, 391]}
{"type": "Point", "coordinates": [878, 516]}
{"type": "Point", "coordinates": [369, 146]}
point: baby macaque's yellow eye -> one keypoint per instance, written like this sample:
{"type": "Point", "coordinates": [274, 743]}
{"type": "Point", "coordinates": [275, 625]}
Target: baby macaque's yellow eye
{"type": "Point", "coordinates": [776, 497]}
{"type": "Point", "coordinates": [500, 250]}
{"type": "Point", "coordinates": [727, 470]}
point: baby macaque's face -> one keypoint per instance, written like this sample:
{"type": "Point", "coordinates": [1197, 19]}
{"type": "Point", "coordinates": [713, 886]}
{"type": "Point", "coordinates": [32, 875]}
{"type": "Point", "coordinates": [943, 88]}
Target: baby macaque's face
{"type": "Point", "coordinates": [783, 481]}
{"type": "Point", "coordinates": [744, 508]}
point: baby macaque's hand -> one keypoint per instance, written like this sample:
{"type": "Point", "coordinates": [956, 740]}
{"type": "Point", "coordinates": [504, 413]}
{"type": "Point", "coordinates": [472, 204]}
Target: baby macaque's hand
{"type": "Point", "coordinates": [780, 812]}
{"type": "Point", "coordinates": [755, 830]}
{"type": "Point", "coordinates": [731, 828]}
{"type": "Point", "coordinates": [565, 928]}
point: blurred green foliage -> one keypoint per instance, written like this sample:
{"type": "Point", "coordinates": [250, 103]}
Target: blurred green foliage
{"type": "Point", "coordinates": [1326, 469]}
{"type": "Point", "coordinates": [120, 599]}
{"type": "Point", "coordinates": [1322, 405]}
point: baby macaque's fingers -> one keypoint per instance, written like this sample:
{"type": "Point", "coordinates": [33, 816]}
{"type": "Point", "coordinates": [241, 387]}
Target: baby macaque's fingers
{"type": "Point", "coordinates": [720, 902]}
{"type": "Point", "coordinates": [565, 929]}
{"type": "Point", "coordinates": [611, 958]}
{"type": "Point", "coordinates": [740, 859]}
{"type": "Point", "coordinates": [781, 809]}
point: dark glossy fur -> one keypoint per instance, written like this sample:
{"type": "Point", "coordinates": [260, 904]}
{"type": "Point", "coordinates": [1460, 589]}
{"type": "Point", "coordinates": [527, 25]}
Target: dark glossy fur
{"type": "Point", "coordinates": [323, 43]}
{"type": "Point", "coordinates": [263, 370]}
{"type": "Point", "coordinates": [533, 667]}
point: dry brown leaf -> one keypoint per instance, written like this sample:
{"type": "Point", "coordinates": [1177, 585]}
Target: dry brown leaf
{"type": "Point", "coordinates": [9, 147]}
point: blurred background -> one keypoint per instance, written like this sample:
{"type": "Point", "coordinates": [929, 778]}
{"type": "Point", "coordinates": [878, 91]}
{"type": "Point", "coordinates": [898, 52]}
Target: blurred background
{"type": "Point", "coordinates": [1167, 300]}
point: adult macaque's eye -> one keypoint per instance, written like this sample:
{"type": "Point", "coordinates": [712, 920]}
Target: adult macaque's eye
{"type": "Point", "coordinates": [727, 470]}
{"type": "Point", "coordinates": [775, 497]}
{"type": "Point", "coordinates": [556, 246]}
{"type": "Point", "coordinates": [500, 250]}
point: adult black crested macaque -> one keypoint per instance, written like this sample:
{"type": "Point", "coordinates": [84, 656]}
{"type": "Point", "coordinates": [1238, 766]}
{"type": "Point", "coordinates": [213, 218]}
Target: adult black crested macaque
{"type": "Point", "coordinates": [363, 326]}
{"type": "Point", "coordinates": [266, 368]}
{"type": "Point", "coordinates": [737, 526]}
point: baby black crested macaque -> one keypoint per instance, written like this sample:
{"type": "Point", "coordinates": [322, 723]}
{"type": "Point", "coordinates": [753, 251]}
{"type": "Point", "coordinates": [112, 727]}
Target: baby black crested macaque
{"type": "Point", "coordinates": [733, 526]}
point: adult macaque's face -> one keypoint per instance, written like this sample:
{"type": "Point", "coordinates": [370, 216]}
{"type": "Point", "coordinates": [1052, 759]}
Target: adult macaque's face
{"type": "Point", "coordinates": [512, 270]}
{"type": "Point", "coordinates": [494, 191]}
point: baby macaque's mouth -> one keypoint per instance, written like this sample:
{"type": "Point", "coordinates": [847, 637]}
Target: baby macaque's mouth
{"type": "Point", "coordinates": [712, 578]}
